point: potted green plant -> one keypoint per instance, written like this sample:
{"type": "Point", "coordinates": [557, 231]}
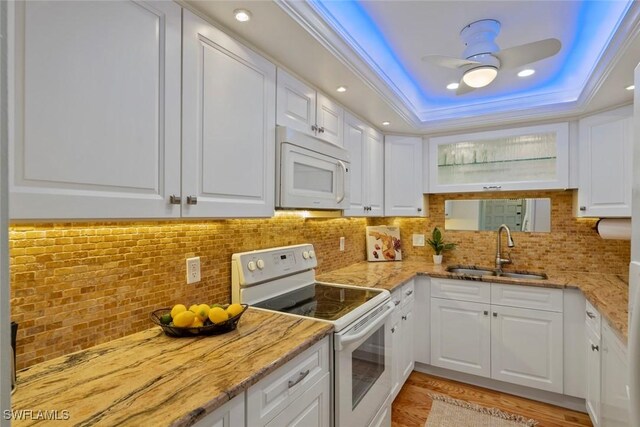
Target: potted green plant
{"type": "Point", "coordinates": [438, 245]}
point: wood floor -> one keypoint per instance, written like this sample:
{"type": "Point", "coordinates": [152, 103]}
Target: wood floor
{"type": "Point", "coordinates": [412, 405]}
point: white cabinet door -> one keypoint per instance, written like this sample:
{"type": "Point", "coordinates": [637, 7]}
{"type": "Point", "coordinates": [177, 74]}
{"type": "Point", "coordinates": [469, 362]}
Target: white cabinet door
{"type": "Point", "coordinates": [231, 414]}
{"type": "Point", "coordinates": [421, 322]}
{"type": "Point", "coordinates": [407, 348]}
{"type": "Point", "coordinates": [403, 176]}
{"type": "Point", "coordinates": [228, 128]}
{"type": "Point", "coordinates": [526, 347]}
{"type": "Point", "coordinates": [95, 110]}
{"type": "Point", "coordinates": [396, 352]}
{"type": "Point", "coordinates": [296, 104]}
{"type": "Point", "coordinates": [461, 336]}
{"type": "Point", "coordinates": [375, 172]}
{"type": "Point", "coordinates": [592, 374]}
{"type": "Point", "coordinates": [366, 151]}
{"type": "Point", "coordinates": [615, 380]}
{"type": "Point", "coordinates": [329, 119]}
{"type": "Point", "coordinates": [309, 410]}
{"type": "Point", "coordinates": [605, 166]}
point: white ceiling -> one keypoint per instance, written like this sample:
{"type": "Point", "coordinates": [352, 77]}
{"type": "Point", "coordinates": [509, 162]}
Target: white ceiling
{"type": "Point", "coordinates": [308, 41]}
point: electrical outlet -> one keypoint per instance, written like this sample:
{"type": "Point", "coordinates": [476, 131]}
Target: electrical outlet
{"type": "Point", "coordinates": [418, 240]}
{"type": "Point", "coordinates": [342, 244]}
{"type": "Point", "coordinates": [193, 270]}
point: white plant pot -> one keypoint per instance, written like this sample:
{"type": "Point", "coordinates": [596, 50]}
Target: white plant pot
{"type": "Point", "coordinates": [437, 259]}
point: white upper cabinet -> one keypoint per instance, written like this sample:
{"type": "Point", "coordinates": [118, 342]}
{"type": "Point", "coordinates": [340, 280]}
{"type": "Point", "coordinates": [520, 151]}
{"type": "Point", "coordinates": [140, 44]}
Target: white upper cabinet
{"type": "Point", "coordinates": [366, 150]}
{"type": "Point", "coordinates": [605, 164]}
{"type": "Point", "coordinates": [95, 108]}
{"type": "Point", "coordinates": [527, 158]}
{"type": "Point", "coordinates": [228, 128]}
{"type": "Point", "coordinates": [403, 176]}
{"type": "Point", "coordinates": [300, 107]}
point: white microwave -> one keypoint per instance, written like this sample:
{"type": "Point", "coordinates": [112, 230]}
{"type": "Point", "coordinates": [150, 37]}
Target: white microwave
{"type": "Point", "coordinates": [310, 173]}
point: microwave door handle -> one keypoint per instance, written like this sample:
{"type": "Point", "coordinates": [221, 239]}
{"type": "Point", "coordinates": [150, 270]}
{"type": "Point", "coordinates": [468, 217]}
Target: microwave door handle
{"type": "Point", "coordinates": [344, 176]}
{"type": "Point", "coordinates": [345, 340]}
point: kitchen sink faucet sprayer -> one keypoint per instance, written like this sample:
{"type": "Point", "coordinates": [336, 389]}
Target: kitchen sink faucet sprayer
{"type": "Point", "coordinates": [499, 260]}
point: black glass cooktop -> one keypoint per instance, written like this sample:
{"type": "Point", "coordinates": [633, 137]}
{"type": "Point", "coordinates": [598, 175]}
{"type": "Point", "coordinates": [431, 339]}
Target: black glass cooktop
{"type": "Point", "coordinates": [326, 302]}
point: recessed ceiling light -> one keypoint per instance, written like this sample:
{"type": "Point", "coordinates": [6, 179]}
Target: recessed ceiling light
{"type": "Point", "coordinates": [341, 89]}
{"type": "Point", "coordinates": [527, 72]}
{"type": "Point", "coordinates": [632, 87]}
{"type": "Point", "coordinates": [242, 15]}
{"type": "Point", "coordinates": [453, 86]}
{"type": "Point", "coordinates": [386, 123]}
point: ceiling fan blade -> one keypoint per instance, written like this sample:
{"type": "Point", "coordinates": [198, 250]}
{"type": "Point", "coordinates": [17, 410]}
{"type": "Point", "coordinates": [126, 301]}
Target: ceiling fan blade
{"type": "Point", "coordinates": [464, 88]}
{"type": "Point", "coordinates": [527, 53]}
{"type": "Point", "coordinates": [447, 61]}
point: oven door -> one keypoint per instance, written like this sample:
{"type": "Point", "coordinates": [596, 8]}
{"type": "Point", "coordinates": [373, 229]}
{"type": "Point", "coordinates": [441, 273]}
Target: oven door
{"type": "Point", "coordinates": [311, 180]}
{"type": "Point", "coordinates": [363, 368]}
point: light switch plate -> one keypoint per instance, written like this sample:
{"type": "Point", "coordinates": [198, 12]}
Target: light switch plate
{"type": "Point", "coordinates": [193, 270]}
{"type": "Point", "coordinates": [418, 239]}
{"type": "Point", "coordinates": [341, 244]}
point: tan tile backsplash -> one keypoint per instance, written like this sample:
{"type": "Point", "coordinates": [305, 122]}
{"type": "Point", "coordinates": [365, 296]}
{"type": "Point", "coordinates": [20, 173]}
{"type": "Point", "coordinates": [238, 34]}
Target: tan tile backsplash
{"type": "Point", "coordinates": [74, 285]}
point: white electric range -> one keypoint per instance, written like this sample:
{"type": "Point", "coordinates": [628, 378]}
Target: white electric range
{"type": "Point", "coordinates": [283, 280]}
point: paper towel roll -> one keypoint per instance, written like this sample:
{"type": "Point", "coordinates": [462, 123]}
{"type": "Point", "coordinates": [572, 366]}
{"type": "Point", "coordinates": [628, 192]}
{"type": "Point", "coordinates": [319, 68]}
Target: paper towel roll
{"type": "Point", "coordinates": [614, 228]}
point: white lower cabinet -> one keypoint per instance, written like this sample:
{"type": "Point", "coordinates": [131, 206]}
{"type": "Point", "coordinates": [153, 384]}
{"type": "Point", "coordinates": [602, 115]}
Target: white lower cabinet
{"type": "Point", "coordinates": [593, 383]}
{"type": "Point", "coordinates": [615, 380]}
{"type": "Point", "coordinates": [526, 347]}
{"type": "Point", "coordinates": [231, 414]}
{"type": "Point", "coordinates": [402, 338]}
{"type": "Point", "coordinates": [421, 320]}
{"type": "Point", "coordinates": [461, 336]}
{"type": "Point", "coordinates": [516, 343]}
{"type": "Point", "coordinates": [296, 394]}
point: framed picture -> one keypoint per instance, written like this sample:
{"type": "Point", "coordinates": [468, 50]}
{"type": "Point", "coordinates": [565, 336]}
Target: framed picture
{"type": "Point", "coordinates": [383, 243]}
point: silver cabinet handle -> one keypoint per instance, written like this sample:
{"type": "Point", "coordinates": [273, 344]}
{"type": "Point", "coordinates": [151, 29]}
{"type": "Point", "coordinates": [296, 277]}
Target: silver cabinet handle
{"type": "Point", "coordinates": [344, 178]}
{"type": "Point", "coordinates": [301, 376]}
{"type": "Point", "coordinates": [314, 128]}
{"type": "Point", "coordinates": [175, 200]}
{"type": "Point", "coordinates": [419, 209]}
{"type": "Point", "coordinates": [492, 187]}
{"type": "Point", "coordinates": [404, 317]}
{"type": "Point", "coordinates": [321, 129]}
{"type": "Point", "coordinates": [192, 200]}
{"type": "Point", "coordinates": [409, 292]}
{"type": "Point", "coordinates": [486, 312]}
{"type": "Point", "coordinates": [393, 330]}
{"type": "Point", "coordinates": [595, 347]}
{"type": "Point", "coordinates": [590, 315]}
{"type": "Point", "coordinates": [397, 302]}
{"type": "Point", "coordinates": [583, 208]}
{"type": "Point", "coordinates": [495, 314]}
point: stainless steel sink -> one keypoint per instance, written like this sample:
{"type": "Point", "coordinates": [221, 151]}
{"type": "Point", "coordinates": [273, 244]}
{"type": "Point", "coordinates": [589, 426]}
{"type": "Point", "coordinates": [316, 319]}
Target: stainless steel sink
{"type": "Point", "coordinates": [523, 275]}
{"type": "Point", "coordinates": [479, 272]}
{"type": "Point", "coordinates": [471, 271]}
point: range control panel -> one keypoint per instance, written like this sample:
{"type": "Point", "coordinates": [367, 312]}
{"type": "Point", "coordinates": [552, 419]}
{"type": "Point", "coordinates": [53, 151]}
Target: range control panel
{"type": "Point", "coordinates": [253, 267]}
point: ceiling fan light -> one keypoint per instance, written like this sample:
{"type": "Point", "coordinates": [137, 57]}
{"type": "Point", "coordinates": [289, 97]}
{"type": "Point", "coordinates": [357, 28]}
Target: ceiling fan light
{"type": "Point", "coordinates": [480, 76]}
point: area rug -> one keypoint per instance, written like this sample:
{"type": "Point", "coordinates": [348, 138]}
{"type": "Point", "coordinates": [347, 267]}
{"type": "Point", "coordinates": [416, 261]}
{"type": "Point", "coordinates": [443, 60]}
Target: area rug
{"type": "Point", "coordinates": [449, 412]}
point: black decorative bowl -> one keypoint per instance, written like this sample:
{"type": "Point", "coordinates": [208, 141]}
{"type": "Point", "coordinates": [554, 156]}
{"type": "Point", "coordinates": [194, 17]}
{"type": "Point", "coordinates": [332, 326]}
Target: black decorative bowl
{"type": "Point", "coordinates": [208, 328]}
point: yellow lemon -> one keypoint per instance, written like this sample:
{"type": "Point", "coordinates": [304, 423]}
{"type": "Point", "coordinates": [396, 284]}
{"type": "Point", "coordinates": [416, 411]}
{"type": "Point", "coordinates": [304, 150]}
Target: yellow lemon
{"type": "Point", "coordinates": [197, 322]}
{"type": "Point", "coordinates": [177, 309]}
{"type": "Point", "coordinates": [218, 315]}
{"type": "Point", "coordinates": [184, 319]}
{"type": "Point", "coordinates": [194, 308]}
{"type": "Point", "coordinates": [202, 312]}
{"type": "Point", "coordinates": [234, 310]}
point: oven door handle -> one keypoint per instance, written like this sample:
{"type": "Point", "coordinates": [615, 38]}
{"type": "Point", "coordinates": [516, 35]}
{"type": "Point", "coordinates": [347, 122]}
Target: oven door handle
{"type": "Point", "coordinates": [342, 341]}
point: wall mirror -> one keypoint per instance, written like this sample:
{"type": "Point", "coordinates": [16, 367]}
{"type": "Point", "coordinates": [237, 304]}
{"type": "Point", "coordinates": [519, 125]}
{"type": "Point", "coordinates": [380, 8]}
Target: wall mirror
{"type": "Point", "coordinates": [531, 215]}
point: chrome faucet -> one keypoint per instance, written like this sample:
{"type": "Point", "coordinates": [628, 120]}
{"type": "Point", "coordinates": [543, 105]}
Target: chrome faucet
{"type": "Point", "coordinates": [499, 260]}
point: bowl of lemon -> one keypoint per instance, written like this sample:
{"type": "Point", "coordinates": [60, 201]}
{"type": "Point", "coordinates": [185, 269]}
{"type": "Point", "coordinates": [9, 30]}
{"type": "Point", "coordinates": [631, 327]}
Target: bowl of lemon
{"type": "Point", "coordinates": [198, 319]}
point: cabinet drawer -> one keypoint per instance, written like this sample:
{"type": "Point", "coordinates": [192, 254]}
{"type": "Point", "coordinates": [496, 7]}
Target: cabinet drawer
{"type": "Point", "coordinates": [408, 292]}
{"type": "Point", "coordinates": [272, 394]}
{"type": "Point", "coordinates": [592, 319]}
{"type": "Point", "coordinates": [527, 297]}
{"type": "Point", "coordinates": [463, 290]}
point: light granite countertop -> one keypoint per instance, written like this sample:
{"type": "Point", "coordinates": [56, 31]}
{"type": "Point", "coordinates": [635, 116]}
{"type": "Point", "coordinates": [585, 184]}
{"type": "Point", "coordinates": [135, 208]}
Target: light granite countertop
{"type": "Point", "coordinates": [150, 379]}
{"type": "Point", "coordinates": [609, 293]}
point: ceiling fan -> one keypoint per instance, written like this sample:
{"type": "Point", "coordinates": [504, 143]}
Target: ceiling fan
{"type": "Point", "coordinates": [482, 58]}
